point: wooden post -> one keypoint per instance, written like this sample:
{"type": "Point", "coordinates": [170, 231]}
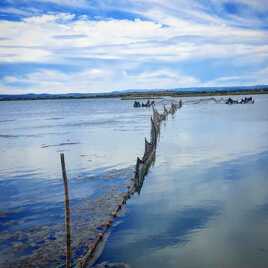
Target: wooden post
{"type": "Point", "coordinates": [67, 214]}
{"type": "Point", "coordinates": [80, 263]}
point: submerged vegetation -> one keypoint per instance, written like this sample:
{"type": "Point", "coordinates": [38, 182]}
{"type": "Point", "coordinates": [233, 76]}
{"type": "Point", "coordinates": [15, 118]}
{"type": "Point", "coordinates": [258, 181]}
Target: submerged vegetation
{"type": "Point", "coordinates": [141, 169]}
{"type": "Point", "coordinates": [93, 218]}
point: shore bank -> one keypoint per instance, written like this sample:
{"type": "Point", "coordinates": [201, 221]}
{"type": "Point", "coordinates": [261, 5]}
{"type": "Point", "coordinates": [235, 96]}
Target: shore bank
{"type": "Point", "coordinates": [148, 94]}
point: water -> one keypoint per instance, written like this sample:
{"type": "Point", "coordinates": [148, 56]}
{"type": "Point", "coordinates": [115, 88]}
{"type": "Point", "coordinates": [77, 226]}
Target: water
{"type": "Point", "coordinates": [205, 202]}
{"type": "Point", "coordinates": [101, 140]}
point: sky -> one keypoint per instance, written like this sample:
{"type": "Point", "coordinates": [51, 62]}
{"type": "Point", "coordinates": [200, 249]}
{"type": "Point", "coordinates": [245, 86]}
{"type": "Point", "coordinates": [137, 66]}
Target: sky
{"type": "Point", "coordinates": [93, 46]}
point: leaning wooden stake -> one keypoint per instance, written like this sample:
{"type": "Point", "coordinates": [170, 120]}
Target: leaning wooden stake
{"type": "Point", "coordinates": [67, 213]}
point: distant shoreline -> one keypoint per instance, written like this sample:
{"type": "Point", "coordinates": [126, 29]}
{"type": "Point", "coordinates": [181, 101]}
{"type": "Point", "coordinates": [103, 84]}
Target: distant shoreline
{"type": "Point", "coordinates": [134, 95]}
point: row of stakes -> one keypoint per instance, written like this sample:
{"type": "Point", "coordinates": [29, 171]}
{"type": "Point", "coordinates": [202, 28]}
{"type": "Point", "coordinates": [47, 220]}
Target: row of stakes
{"type": "Point", "coordinates": [142, 166]}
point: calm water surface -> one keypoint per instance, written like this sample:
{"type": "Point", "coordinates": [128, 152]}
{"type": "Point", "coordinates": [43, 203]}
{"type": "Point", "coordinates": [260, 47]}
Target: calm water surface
{"type": "Point", "coordinates": [101, 140]}
{"type": "Point", "coordinates": [205, 202]}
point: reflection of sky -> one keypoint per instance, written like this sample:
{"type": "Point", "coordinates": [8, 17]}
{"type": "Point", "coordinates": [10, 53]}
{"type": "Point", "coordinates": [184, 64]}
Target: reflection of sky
{"type": "Point", "coordinates": [204, 204]}
{"type": "Point", "coordinates": [97, 137]}
{"type": "Point", "coordinates": [215, 133]}
{"type": "Point", "coordinates": [98, 130]}
{"type": "Point", "coordinates": [101, 140]}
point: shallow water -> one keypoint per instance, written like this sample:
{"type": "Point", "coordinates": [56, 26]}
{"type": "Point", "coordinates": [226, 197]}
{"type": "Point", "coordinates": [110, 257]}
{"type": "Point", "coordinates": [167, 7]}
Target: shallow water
{"type": "Point", "coordinates": [101, 140]}
{"type": "Point", "coordinates": [205, 202]}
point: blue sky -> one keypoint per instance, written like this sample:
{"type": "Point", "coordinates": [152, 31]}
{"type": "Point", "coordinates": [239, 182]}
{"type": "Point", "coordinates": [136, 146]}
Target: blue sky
{"type": "Point", "coordinates": [65, 46]}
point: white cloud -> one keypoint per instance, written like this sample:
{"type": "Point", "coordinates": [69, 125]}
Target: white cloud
{"type": "Point", "coordinates": [122, 39]}
{"type": "Point", "coordinates": [16, 11]}
{"type": "Point", "coordinates": [49, 18]}
{"type": "Point", "coordinates": [168, 35]}
{"type": "Point", "coordinates": [96, 80]}
{"type": "Point", "coordinates": [259, 77]}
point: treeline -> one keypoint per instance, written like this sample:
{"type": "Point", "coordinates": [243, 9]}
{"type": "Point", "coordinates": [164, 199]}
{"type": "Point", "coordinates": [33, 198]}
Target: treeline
{"type": "Point", "coordinates": [140, 94]}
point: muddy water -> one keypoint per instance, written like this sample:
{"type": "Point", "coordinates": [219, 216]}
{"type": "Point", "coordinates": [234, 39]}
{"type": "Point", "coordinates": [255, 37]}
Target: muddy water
{"type": "Point", "coordinates": [205, 202]}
